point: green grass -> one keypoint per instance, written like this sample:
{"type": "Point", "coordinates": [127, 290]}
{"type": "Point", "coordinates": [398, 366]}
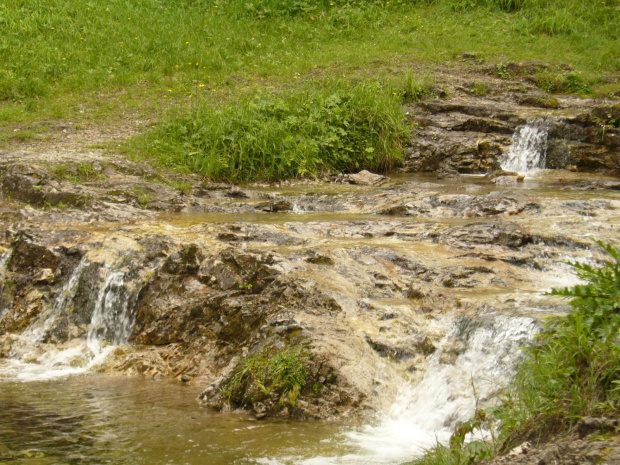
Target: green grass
{"type": "Point", "coordinates": [78, 173]}
{"type": "Point", "coordinates": [96, 61]}
{"type": "Point", "coordinates": [321, 129]}
{"type": "Point", "coordinates": [56, 50]}
{"type": "Point", "coordinates": [573, 369]}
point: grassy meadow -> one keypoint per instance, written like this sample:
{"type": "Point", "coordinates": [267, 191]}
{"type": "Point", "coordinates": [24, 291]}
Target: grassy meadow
{"type": "Point", "coordinates": [168, 60]}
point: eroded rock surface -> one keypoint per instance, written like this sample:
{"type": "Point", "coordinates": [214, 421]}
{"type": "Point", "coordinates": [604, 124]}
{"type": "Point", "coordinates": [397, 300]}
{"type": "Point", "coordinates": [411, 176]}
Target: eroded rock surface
{"type": "Point", "coordinates": [361, 276]}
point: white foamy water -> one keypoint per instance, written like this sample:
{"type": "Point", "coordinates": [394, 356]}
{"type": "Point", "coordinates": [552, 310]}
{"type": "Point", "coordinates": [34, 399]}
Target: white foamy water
{"type": "Point", "coordinates": [528, 151]}
{"type": "Point", "coordinates": [479, 352]}
{"type": "Point", "coordinates": [112, 320]}
{"type": "Point", "coordinates": [111, 324]}
{"type": "Point", "coordinates": [46, 322]}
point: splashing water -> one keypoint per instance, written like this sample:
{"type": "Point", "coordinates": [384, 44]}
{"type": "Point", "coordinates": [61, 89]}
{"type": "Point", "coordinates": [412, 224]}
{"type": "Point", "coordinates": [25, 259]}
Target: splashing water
{"type": "Point", "coordinates": [4, 262]}
{"type": "Point", "coordinates": [112, 320]}
{"type": "Point", "coordinates": [477, 354]}
{"type": "Point", "coordinates": [111, 324]}
{"type": "Point", "coordinates": [46, 322]}
{"type": "Point", "coordinates": [528, 151]}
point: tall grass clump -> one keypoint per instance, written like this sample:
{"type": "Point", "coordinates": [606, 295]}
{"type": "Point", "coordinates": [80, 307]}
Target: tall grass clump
{"type": "Point", "coordinates": [337, 128]}
{"type": "Point", "coordinates": [573, 369]}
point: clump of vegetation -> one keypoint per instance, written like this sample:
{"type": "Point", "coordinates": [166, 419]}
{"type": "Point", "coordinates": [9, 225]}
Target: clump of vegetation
{"type": "Point", "coordinates": [82, 172]}
{"type": "Point", "coordinates": [413, 89]}
{"type": "Point", "coordinates": [338, 128]}
{"type": "Point", "coordinates": [542, 101]}
{"type": "Point", "coordinates": [255, 378]}
{"type": "Point", "coordinates": [479, 89]}
{"type": "Point", "coordinates": [571, 371]}
{"type": "Point", "coordinates": [558, 82]}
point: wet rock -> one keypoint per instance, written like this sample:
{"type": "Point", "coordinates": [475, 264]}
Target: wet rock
{"type": "Point", "coordinates": [275, 207]}
{"type": "Point", "coordinates": [185, 261]}
{"type": "Point", "coordinates": [561, 451]}
{"type": "Point", "coordinates": [508, 180]}
{"type": "Point", "coordinates": [28, 255]}
{"type": "Point", "coordinates": [590, 425]}
{"type": "Point", "coordinates": [44, 276]}
{"type": "Point", "coordinates": [484, 125]}
{"type": "Point", "coordinates": [366, 178]}
{"type": "Point", "coordinates": [501, 233]}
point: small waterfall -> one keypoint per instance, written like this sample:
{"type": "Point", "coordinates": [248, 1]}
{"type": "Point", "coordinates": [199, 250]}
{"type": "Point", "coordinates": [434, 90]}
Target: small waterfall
{"type": "Point", "coordinates": [475, 353]}
{"type": "Point", "coordinates": [111, 324]}
{"type": "Point", "coordinates": [4, 262]}
{"type": "Point", "coordinates": [62, 302]}
{"type": "Point", "coordinates": [528, 151]}
{"type": "Point", "coordinates": [112, 320]}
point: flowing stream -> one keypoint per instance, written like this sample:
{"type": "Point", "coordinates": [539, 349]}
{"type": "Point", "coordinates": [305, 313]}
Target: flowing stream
{"type": "Point", "coordinates": [55, 409]}
{"type": "Point", "coordinates": [97, 419]}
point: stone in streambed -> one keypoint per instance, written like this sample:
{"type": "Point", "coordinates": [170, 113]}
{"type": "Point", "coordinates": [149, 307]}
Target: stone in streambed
{"type": "Point", "coordinates": [366, 178]}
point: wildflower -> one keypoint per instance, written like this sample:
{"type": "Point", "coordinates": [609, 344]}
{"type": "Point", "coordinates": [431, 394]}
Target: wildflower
{"type": "Point", "coordinates": [201, 85]}
{"type": "Point", "coordinates": [169, 90]}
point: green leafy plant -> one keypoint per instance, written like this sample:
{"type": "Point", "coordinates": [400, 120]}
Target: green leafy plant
{"type": "Point", "coordinates": [573, 369]}
{"type": "Point", "coordinates": [459, 451]}
{"type": "Point", "coordinates": [285, 373]}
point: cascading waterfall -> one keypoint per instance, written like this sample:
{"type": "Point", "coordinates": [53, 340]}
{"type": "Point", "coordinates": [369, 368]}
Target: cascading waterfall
{"type": "Point", "coordinates": [4, 262]}
{"type": "Point", "coordinates": [528, 151]}
{"type": "Point", "coordinates": [478, 354]}
{"type": "Point", "coordinates": [427, 412]}
{"type": "Point", "coordinates": [111, 324]}
{"type": "Point", "coordinates": [46, 322]}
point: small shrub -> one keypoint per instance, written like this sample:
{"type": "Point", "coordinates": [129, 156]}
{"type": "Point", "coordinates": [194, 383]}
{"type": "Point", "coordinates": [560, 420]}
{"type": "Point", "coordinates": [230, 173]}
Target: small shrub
{"type": "Point", "coordinates": [556, 81]}
{"type": "Point", "coordinates": [414, 89]}
{"type": "Point", "coordinates": [82, 172]}
{"type": "Point", "coordinates": [479, 89]}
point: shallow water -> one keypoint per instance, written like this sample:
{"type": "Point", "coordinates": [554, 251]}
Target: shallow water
{"type": "Point", "coordinates": [92, 419]}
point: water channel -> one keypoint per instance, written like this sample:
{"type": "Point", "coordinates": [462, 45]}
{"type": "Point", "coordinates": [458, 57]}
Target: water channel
{"type": "Point", "coordinates": [56, 408]}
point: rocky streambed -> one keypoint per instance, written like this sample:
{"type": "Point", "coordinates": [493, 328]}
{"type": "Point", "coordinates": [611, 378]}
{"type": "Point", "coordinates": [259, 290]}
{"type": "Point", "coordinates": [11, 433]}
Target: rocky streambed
{"type": "Point", "coordinates": [384, 299]}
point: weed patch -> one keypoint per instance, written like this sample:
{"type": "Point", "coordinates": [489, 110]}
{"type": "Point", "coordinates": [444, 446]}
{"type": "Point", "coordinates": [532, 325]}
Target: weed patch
{"type": "Point", "coordinates": [81, 172]}
{"type": "Point", "coordinates": [573, 370]}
